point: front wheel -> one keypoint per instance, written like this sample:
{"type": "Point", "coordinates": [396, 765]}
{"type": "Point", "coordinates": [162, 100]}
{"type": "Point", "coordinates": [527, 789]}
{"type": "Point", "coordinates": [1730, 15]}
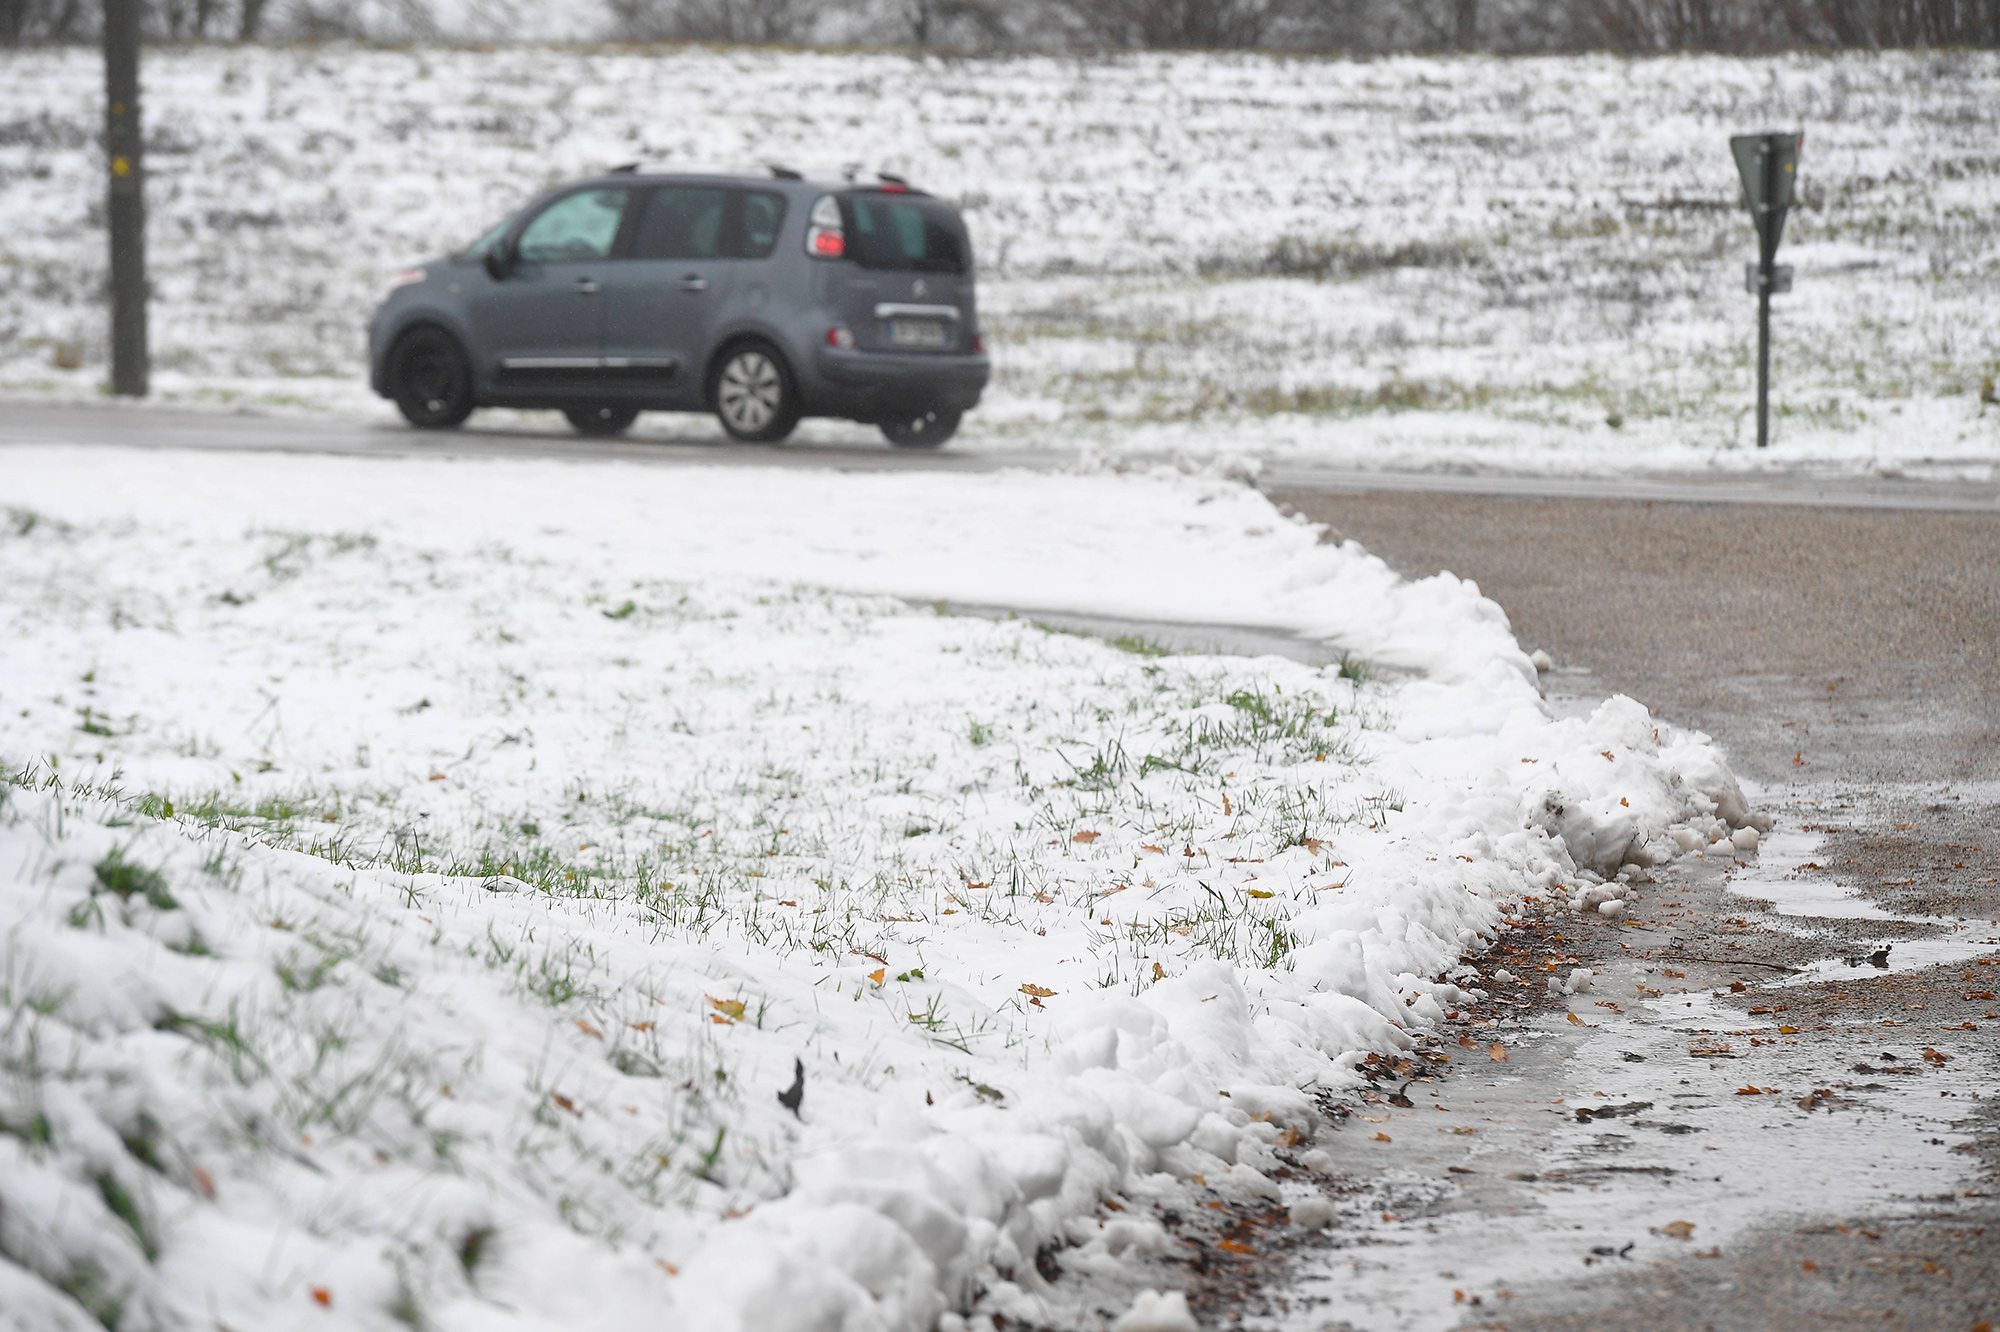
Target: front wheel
{"type": "Point", "coordinates": [754, 396]}
{"type": "Point", "coordinates": [430, 379]}
{"type": "Point", "coordinates": [925, 428]}
{"type": "Point", "coordinates": [603, 421]}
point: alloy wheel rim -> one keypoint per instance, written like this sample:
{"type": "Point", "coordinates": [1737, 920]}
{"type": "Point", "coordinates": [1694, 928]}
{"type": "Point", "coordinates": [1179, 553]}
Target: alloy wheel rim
{"type": "Point", "coordinates": [750, 391]}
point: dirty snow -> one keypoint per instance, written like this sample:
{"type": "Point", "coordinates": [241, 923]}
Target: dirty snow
{"type": "Point", "coordinates": [420, 881]}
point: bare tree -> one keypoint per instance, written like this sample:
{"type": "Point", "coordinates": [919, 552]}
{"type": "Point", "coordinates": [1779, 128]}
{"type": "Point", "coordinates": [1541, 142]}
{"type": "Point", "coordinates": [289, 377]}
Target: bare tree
{"type": "Point", "coordinates": [1158, 24]}
{"type": "Point", "coordinates": [1636, 27]}
{"type": "Point", "coordinates": [958, 24]}
{"type": "Point", "coordinates": [752, 21]}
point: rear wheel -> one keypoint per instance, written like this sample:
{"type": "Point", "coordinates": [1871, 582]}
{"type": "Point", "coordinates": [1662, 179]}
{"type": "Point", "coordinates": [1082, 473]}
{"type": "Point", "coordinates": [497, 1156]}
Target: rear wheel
{"type": "Point", "coordinates": [430, 379]}
{"type": "Point", "coordinates": [923, 428]}
{"type": "Point", "coordinates": [754, 396]}
{"type": "Point", "coordinates": [603, 421]}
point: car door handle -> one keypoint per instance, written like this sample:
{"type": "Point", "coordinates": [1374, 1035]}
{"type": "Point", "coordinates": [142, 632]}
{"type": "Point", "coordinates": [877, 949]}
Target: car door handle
{"type": "Point", "coordinates": [694, 282]}
{"type": "Point", "coordinates": [584, 287]}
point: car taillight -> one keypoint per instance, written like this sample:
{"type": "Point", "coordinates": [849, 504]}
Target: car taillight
{"type": "Point", "coordinates": [408, 277]}
{"type": "Point", "coordinates": [979, 342]}
{"type": "Point", "coordinates": [824, 237]}
{"type": "Point", "coordinates": [842, 338]}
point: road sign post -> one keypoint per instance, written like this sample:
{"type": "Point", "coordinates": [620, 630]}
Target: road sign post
{"type": "Point", "coordinates": [1769, 165]}
{"type": "Point", "coordinates": [126, 202]}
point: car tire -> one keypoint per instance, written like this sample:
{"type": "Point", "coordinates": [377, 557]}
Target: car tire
{"type": "Point", "coordinates": [754, 394]}
{"type": "Point", "coordinates": [922, 428]}
{"type": "Point", "coordinates": [431, 379]}
{"type": "Point", "coordinates": [602, 421]}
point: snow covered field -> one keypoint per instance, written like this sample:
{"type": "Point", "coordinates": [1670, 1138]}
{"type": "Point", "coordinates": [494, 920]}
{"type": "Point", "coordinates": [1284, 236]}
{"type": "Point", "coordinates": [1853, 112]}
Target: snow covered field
{"type": "Point", "coordinates": [418, 881]}
{"type": "Point", "coordinates": [1522, 264]}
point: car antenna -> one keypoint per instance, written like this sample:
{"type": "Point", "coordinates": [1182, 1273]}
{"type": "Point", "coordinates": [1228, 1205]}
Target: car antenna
{"type": "Point", "coordinates": [625, 170]}
{"type": "Point", "coordinates": [850, 171]}
{"type": "Point", "coordinates": [892, 178]}
{"type": "Point", "coordinates": [784, 172]}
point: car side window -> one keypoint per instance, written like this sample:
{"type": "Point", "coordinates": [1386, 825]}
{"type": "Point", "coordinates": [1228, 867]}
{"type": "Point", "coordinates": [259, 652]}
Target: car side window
{"type": "Point", "coordinates": [763, 212]}
{"type": "Point", "coordinates": [681, 222]}
{"type": "Point", "coordinates": [575, 228]}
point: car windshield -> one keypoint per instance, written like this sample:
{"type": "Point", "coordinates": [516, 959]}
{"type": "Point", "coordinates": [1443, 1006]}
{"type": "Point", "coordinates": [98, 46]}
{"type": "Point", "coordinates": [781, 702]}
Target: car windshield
{"type": "Point", "coordinates": [905, 231]}
{"type": "Point", "coordinates": [486, 241]}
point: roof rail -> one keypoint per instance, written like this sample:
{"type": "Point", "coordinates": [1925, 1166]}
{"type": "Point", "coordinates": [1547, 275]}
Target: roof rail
{"type": "Point", "coordinates": [784, 172]}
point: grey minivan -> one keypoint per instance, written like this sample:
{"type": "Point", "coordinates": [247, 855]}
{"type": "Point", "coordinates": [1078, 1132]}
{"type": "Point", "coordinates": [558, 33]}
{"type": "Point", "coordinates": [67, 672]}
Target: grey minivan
{"type": "Point", "coordinates": [762, 299]}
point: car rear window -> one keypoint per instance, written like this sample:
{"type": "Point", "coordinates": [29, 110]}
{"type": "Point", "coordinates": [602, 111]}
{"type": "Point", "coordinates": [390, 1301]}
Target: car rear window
{"type": "Point", "coordinates": [904, 231]}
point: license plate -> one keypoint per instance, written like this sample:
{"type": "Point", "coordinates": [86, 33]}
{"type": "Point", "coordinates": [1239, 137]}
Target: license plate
{"type": "Point", "coordinates": [917, 333]}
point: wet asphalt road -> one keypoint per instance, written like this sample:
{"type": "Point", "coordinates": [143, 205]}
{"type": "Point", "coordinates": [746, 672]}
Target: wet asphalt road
{"type": "Point", "coordinates": [1864, 642]}
{"type": "Point", "coordinates": [1848, 660]}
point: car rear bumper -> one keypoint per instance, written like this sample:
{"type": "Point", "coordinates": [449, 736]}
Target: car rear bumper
{"type": "Point", "coordinates": [857, 383]}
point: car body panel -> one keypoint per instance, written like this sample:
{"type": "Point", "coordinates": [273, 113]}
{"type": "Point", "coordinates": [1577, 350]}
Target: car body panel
{"type": "Point", "coordinates": [537, 339]}
{"type": "Point", "coordinates": [660, 319]}
{"type": "Point", "coordinates": [539, 331]}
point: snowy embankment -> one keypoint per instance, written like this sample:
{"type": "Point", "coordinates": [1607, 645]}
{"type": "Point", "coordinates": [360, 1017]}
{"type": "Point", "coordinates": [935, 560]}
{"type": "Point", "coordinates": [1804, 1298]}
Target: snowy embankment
{"type": "Point", "coordinates": [418, 880]}
{"type": "Point", "coordinates": [1414, 262]}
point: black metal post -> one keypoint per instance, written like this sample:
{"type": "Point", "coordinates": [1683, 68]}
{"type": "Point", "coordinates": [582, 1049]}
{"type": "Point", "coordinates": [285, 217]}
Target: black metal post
{"type": "Point", "coordinates": [1770, 225]}
{"type": "Point", "coordinates": [126, 202]}
{"type": "Point", "coordinates": [1764, 354]}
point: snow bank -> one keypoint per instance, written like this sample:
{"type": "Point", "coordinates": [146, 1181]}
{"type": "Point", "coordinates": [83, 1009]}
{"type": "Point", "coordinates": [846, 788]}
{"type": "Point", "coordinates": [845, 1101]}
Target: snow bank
{"type": "Point", "coordinates": [420, 881]}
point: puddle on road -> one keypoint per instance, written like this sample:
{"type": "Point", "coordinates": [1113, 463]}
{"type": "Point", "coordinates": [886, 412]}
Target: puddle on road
{"type": "Point", "coordinates": [1968, 940]}
{"type": "Point", "coordinates": [1785, 875]}
{"type": "Point", "coordinates": [1772, 878]}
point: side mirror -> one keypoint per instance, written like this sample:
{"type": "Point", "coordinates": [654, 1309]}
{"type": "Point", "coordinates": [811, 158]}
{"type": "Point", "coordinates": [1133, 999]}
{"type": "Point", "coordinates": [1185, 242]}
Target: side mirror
{"type": "Point", "coordinates": [499, 260]}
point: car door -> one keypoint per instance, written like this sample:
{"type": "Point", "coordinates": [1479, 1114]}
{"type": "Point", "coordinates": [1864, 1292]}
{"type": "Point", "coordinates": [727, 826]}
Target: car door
{"type": "Point", "coordinates": [541, 324]}
{"type": "Point", "coordinates": [664, 299]}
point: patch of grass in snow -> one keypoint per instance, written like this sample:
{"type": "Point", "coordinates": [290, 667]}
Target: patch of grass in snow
{"type": "Point", "coordinates": [1343, 259]}
{"type": "Point", "coordinates": [120, 1201]}
{"type": "Point", "coordinates": [116, 874]}
{"type": "Point", "coordinates": [87, 1284]}
{"type": "Point", "coordinates": [224, 1036]}
{"type": "Point", "coordinates": [1393, 394]}
{"type": "Point", "coordinates": [25, 522]}
{"type": "Point", "coordinates": [283, 818]}
{"type": "Point", "coordinates": [1139, 645]}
